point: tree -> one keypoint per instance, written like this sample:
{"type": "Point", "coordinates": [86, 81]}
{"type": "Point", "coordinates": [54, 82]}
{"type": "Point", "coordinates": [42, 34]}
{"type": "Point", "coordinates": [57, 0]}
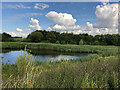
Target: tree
{"type": "Point", "coordinates": [81, 42]}
{"type": "Point", "coordinates": [35, 36]}
{"type": "Point", "coordinates": [96, 42]}
{"type": "Point", "coordinates": [62, 42]}
{"type": "Point", "coordinates": [79, 39]}
{"type": "Point", "coordinates": [6, 37]}
{"type": "Point", "coordinates": [51, 37]}
{"type": "Point", "coordinates": [57, 42]}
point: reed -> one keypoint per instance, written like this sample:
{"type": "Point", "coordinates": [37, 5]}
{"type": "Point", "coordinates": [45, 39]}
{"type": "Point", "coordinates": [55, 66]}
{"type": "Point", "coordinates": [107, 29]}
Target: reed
{"type": "Point", "coordinates": [101, 72]}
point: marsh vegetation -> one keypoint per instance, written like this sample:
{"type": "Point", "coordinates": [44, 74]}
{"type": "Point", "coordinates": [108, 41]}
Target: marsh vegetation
{"type": "Point", "coordinates": [99, 70]}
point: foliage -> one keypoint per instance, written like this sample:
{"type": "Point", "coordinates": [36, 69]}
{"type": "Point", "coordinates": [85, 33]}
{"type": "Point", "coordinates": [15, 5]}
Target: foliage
{"type": "Point", "coordinates": [35, 36]}
{"type": "Point", "coordinates": [81, 42]}
{"type": "Point", "coordinates": [6, 37]}
{"type": "Point", "coordinates": [96, 43]}
{"type": "Point", "coordinates": [70, 38]}
{"type": "Point", "coordinates": [51, 37]}
{"type": "Point", "coordinates": [22, 62]}
{"type": "Point", "coordinates": [104, 50]}
{"type": "Point", "coordinates": [101, 72]}
{"type": "Point", "coordinates": [67, 38]}
{"type": "Point", "coordinates": [57, 42]}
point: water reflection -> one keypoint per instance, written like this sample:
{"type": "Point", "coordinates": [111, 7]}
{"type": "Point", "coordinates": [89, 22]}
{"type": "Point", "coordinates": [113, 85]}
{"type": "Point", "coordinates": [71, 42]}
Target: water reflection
{"type": "Point", "coordinates": [42, 55]}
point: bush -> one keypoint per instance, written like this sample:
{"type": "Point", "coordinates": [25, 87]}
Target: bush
{"type": "Point", "coordinates": [35, 36]}
{"type": "Point", "coordinates": [57, 42]}
{"type": "Point", "coordinates": [81, 42]}
{"type": "Point", "coordinates": [62, 42]}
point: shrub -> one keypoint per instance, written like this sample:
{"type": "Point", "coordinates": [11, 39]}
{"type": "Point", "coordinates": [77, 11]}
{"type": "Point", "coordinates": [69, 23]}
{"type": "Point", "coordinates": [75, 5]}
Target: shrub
{"type": "Point", "coordinates": [81, 42]}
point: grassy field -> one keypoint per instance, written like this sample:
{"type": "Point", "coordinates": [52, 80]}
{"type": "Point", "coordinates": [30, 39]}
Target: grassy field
{"type": "Point", "coordinates": [100, 70]}
{"type": "Point", "coordinates": [104, 50]}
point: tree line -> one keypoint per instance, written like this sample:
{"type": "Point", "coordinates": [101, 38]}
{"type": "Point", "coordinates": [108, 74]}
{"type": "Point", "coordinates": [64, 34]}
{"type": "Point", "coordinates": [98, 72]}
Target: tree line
{"type": "Point", "coordinates": [66, 38]}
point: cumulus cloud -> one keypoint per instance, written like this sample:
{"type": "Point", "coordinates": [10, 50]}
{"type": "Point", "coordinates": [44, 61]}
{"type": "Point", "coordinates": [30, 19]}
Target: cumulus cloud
{"type": "Point", "coordinates": [34, 24]}
{"type": "Point", "coordinates": [61, 18]}
{"type": "Point", "coordinates": [17, 34]}
{"type": "Point", "coordinates": [41, 6]}
{"type": "Point", "coordinates": [107, 20]}
{"type": "Point", "coordinates": [62, 28]}
{"type": "Point", "coordinates": [89, 24]}
{"type": "Point", "coordinates": [15, 6]}
{"type": "Point", "coordinates": [19, 30]}
{"type": "Point", "coordinates": [107, 16]}
{"type": "Point", "coordinates": [106, 23]}
{"type": "Point", "coordinates": [98, 31]}
{"type": "Point", "coordinates": [63, 22]}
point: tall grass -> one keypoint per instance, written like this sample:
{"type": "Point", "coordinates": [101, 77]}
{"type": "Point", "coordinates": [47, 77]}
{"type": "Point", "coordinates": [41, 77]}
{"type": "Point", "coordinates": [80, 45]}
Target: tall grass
{"type": "Point", "coordinates": [101, 72]}
{"type": "Point", "coordinates": [104, 50]}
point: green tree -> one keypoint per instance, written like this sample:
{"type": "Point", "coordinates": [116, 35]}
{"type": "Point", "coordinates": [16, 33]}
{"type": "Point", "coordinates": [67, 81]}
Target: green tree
{"type": "Point", "coordinates": [81, 42]}
{"type": "Point", "coordinates": [35, 36]}
{"type": "Point", "coordinates": [62, 42]}
{"type": "Point", "coordinates": [96, 42]}
{"type": "Point", "coordinates": [51, 37]}
{"type": "Point", "coordinates": [6, 37]}
{"type": "Point", "coordinates": [57, 42]}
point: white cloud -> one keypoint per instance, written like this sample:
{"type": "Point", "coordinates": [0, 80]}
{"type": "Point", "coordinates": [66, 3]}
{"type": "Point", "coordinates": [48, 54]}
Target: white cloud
{"type": "Point", "coordinates": [19, 34]}
{"type": "Point", "coordinates": [89, 24]}
{"type": "Point", "coordinates": [61, 18]}
{"type": "Point", "coordinates": [41, 6]}
{"type": "Point", "coordinates": [15, 6]}
{"type": "Point", "coordinates": [63, 22]}
{"type": "Point", "coordinates": [107, 20]}
{"type": "Point", "coordinates": [28, 14]}
{"type": "Point", "coordinates": [34, 24]}
{"type": "Point", "coordinates": [0, 30]}
{"type": "Point", "coordinates": [107, 16]}
{"type": "Point", "coordinates": [62, 27]}
{"type": "Point", "coordinates": [19, 30]}
{"type": "Point", "coordinates": [103, 0]}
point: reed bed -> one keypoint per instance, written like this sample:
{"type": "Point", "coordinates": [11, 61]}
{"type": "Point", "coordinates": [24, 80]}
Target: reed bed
{"type": "Point", "coordinates": [99, 70]}
{"type": "Point", "coordinates": [104, 50]}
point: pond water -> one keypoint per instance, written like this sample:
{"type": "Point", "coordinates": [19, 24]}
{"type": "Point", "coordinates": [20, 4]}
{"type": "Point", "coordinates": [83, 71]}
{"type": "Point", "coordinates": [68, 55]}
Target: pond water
{"type": "Point", "coordinates": [10, 56]}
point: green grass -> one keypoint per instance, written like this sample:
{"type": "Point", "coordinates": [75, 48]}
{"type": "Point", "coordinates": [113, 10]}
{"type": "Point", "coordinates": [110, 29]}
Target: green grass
{"type": "Point", "coordinates": [99, 70]}
{"type": "Point", "coordinates": [96, 73]}
{"type": "Point", "coordinates": [104, 50]}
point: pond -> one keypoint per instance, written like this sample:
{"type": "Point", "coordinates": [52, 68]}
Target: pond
{"type": "Point", "coordinates": [10, 56]}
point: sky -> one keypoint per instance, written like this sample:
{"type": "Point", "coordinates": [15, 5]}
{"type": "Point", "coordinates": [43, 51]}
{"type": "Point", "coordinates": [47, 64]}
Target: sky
{"type": "Point", "coordinates": [22, 18]}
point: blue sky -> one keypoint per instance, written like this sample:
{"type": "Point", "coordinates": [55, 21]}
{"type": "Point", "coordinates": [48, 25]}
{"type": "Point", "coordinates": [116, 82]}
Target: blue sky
{"type": "Point", "coordinates": [19, 14]}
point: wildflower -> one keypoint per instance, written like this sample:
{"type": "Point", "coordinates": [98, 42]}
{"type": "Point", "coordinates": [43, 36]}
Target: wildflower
{"type": "Point", "coordinates": [80, 70]}
{"type": "Point", "coordinates": [81, 66]}
{"type": "Point", "coordinates": [95, 84]}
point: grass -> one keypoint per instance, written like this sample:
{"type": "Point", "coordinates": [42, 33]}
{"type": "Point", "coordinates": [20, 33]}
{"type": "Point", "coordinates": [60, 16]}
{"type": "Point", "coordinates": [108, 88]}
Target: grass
{"type": "Point", "coordinates": [96, 73]}
{"type": "Point", "coordinates": [100, 70]}
{"type": "Point", "coordinates": [104, 50]}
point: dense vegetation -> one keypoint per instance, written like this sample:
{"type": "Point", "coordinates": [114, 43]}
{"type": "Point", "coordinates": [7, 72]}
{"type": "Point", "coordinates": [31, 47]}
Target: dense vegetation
{"type": "Point", "coordinates": [6, 37]}
{"type": "Point", "coordinates": [99, 70]}
{"type": "Point", "coordinates": [103, 50]}
{"type": "Point", "coordinates": [90, 72]}
{"type": "Point", "coordinates": [67, 38]}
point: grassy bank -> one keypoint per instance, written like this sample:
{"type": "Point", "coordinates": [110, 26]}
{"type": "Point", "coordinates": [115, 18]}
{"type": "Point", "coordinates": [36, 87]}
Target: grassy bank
{"type": "Point", "coordinates": [101, 72]}
{"type": "Point", "coordinates": [104, 50]}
